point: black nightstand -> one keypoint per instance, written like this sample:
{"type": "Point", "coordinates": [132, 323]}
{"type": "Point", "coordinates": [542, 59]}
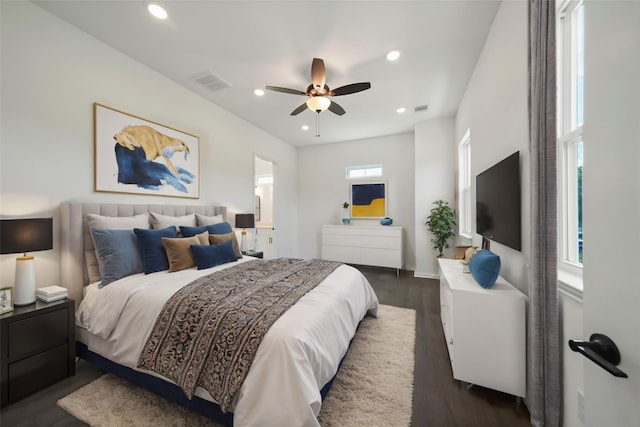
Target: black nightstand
{"type": "Point", "coordinates": [255, 254]}
{"type": "Point", "coordinates": [38, 348]}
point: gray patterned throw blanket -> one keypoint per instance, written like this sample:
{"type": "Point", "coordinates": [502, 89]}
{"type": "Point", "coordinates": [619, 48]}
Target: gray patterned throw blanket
{"type": "Point", "coordinates": [209, 331]}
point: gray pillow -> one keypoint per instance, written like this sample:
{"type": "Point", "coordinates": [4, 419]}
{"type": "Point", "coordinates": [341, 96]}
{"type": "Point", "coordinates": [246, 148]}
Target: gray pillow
{"type": "Point", "coordinates": [209, 220]}
{"type": "Point", "coordinates": [164, 221]}
{"type": "Point", "coordinates": [118, 222]}
{"type": "Point", "coordinates": [118, 254]}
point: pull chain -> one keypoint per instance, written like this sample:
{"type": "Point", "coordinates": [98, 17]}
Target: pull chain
{"type": "Point", "coordinates": [318, 124]}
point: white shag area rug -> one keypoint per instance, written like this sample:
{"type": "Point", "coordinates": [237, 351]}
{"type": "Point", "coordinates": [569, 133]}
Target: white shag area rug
{"type": "Point", "coordinates": [374, 386]}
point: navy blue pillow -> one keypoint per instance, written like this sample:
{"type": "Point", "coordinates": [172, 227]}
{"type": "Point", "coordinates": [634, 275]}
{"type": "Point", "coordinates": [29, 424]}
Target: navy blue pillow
{"type": "Point", "coordinates": [207, 256]}
{"type": "Point", "coordinates": [154, 257]}
{"type": "Point", "coordinates": [485, 268]}
{"type": "Point", "coordinates": [117, 253]}
{"type": "Point", "coordinates": [220, 228]}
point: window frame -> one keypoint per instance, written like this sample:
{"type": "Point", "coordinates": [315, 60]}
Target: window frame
{"type": "Point", "coordinates": [464, 186]}
{"type": "Point", "coordinates": [365, 169]}
{"type": "Point", "coordinates": [569, 136]}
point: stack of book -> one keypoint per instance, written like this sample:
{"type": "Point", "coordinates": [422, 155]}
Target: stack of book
{"type": "Point", "coordinates": [52, 293]}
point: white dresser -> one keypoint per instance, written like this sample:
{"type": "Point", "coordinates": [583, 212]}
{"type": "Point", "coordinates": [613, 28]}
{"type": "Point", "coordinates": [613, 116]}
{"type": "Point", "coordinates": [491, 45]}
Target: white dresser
{"type": "Point", "coordinates": [379, 246]}
{"type": "Point", "coordinates": [484, 329]}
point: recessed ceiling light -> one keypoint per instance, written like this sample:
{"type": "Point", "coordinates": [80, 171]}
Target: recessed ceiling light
{"type": "Point", "coordinates": [393, 55]}
{"type": "Point", "coordinates": [304, 127]}
{"type": "Point", "coordinates": [157, 11]}
{"type": "Point", "coordinates": [259, 92]}
{"type": "Point", "coordinates": [401, 110]}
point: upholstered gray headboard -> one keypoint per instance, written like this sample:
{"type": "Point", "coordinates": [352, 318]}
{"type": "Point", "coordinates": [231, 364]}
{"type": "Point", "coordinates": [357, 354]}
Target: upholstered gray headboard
{"type": "Point", "coordinates": [75, 236]}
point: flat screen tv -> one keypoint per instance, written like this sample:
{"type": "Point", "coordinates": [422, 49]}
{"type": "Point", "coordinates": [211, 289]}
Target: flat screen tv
{"type": "Point", "coordinates": [498, 202]}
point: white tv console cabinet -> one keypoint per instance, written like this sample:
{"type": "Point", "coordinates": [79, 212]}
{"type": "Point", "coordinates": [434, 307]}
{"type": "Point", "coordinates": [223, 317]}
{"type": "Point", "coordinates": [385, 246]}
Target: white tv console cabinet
{"type": "Point", "coordinates": [485, 330]}
{"type": "Point", "coordinates": [379, 246]}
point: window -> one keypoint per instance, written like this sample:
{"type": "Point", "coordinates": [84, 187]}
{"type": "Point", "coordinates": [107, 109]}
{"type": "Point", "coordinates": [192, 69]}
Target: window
{"type": "Point", "coordinates": [570, 139]}
{"type": "Point", "coordinates": [368, 171]}
{"type": "Point", "coordinates": [464, 185]}
{"type": "Point", "coordinates": [264, 179]}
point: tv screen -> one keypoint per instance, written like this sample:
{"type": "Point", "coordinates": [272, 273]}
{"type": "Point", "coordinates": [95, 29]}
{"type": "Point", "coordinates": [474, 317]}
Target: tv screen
{"type": "Point", "coordinates": [498, 202]}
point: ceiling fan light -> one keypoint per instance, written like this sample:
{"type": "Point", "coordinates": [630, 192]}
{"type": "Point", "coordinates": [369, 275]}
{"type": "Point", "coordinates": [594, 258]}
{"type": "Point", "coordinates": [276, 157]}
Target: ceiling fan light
{"type": "Point", "coordinates": [318, 103]}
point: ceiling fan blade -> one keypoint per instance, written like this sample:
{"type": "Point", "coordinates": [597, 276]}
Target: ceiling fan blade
{"type": "Point", "coordinates": [349, 89]}
{"type": "Point", "coordinates": [285, 90]}
{"type": "Point", "coordinates": [337, 109]}
{"type": "Point", "coordinates": [299, 110]}
{"type": "Point", "coordinates": [318, 74]}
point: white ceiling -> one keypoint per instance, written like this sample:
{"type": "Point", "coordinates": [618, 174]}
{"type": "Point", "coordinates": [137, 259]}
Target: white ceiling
{"type": "Point", "coordinates": [254, 44]}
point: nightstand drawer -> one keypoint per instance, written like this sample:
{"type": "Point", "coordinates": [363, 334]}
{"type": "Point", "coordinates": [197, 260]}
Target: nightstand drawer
{"type": "Point", "coordinates": [30, 336]}
{"type": "Point", "coordinates": [35, 373]}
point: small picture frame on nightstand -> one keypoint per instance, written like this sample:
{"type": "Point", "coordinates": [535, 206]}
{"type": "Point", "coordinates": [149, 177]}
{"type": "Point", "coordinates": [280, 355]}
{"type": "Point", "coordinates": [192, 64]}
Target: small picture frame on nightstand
{"type": "Point", "coordinates": [6, 300]}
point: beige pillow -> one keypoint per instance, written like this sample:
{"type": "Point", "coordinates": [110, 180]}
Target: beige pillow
{"type": "Point", "coordinates": [164, 221]}
{"type": "Point", "coordinates": [92, 266]}
{"type": "Point", "coordinates": [118, 222]}
{"type": "Point", "coordinates": [179, 251]}
{"type": "Point", "coordinates": [209, 220]}
{"type": "Point", "coordinates": [214, 239]}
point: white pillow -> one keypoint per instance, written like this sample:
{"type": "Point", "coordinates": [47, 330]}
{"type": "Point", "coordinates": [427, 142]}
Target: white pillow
{"type": "Point", "coordinates": [209, 220]}
{"type": "Point", "coordinates": [118, 222]}
{"type": "Point", "coordinates": [164, 221]}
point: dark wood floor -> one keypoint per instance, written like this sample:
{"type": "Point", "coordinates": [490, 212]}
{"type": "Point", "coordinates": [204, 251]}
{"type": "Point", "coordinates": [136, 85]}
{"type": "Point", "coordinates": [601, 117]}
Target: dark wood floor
{"type": "Point", "coordinates": [438, 399]}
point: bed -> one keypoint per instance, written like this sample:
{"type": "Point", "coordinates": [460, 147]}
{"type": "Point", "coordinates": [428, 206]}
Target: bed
{"type": "Point", "coordinates": [293, 366]}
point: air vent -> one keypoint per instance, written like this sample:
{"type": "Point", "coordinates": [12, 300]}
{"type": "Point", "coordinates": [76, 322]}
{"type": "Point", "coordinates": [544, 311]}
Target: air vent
{"type": "Point", "coordinates": [210, 81]}
{"type": "Point", "coordinates": [421, 108]}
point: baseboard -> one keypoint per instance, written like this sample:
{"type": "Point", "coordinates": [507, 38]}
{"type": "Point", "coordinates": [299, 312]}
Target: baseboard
{"type": "Point", "coordinates": [421, 275]}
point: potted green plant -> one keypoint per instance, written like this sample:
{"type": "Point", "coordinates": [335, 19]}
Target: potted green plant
{"type": "Point", "coordinates": [346, 218]}
{"type": "Point", "coordinates": [441, 222]}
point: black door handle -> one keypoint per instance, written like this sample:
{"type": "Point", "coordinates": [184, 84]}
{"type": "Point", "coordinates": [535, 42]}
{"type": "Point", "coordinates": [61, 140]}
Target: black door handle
{"type": "Point", "coordinates": [601, 350]}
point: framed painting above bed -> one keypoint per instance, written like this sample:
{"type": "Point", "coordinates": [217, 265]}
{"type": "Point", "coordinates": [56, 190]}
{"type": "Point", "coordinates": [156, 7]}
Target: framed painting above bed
{"type": "Point", "coordinates": [369, 200]}
{"type": "Point", "coordinates": [137, 156]}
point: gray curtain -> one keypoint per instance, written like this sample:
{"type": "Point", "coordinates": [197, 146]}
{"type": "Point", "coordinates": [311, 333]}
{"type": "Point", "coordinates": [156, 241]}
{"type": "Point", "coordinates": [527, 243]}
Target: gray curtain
{"type": "Point", "coordinates": [544, 395]}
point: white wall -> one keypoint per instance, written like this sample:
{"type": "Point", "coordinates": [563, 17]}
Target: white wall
{"type": "Point", "coordinates": [323, 187]}
{"type": "Point", "coordinates": [434, 180]}
{"type": "Point", "coordinates": [52, 73]}
{"type": "Point", "coordinates": [495, 108]}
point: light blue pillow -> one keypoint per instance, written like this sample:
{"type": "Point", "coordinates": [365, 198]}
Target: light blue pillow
{"type": "Point", "coordinates": [219, 228]}
{"type": "Point", "coordinates": [207, 256]}
{"type": "Point", "coordinates": [117, 252]}
{"type": "Point", "coordinates": [152, 252]}
{"type": "Point", "coordinates": [485, 268]}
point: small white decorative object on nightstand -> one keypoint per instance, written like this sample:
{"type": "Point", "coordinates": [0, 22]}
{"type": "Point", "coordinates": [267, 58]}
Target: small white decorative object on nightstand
{"type": "Point", "coordinates": [52, 293]}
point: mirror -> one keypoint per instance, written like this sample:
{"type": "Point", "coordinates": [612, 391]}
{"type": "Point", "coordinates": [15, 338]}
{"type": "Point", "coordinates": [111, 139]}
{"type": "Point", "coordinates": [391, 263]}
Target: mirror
{"type": "Point", "coordinates": [257, 208]}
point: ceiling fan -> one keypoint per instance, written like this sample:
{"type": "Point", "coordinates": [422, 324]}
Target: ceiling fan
{"type": "Point", "coordinates": [319, 93]}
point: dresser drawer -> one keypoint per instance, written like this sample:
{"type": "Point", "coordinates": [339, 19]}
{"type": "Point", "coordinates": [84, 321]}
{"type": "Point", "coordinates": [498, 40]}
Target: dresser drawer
{"type": "Point", "coordinates": [35, 373]}
{"type": "Point", "coordinates": [39, 333]}
{"type": "Point", "coordinates": [381, 242]}
{"type": "Point", "coordinates": [341, 240]}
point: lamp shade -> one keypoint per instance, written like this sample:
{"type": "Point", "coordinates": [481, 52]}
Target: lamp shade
{"type": "Point", "coordinates": [318, 103]}
{"type": "Point", "coordinates": [245, 221]}
{"type": "Point", "coordinates": [26, 235]}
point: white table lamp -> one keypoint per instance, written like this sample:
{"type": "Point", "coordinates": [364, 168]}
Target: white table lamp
{"type": "Point", "coordinates": [244, 221]}
{"type": "Point", "coordinates": [22, 236]}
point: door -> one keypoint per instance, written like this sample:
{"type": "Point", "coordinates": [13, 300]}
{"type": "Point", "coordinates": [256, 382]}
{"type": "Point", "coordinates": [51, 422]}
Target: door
{"type": "Point", "coordinates": [612, 206]}
{"type": "Point", "coordinates": [264, 236]}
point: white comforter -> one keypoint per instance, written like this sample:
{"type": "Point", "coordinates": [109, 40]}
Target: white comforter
{"type": "Point", "coordinates": [297, 357]}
